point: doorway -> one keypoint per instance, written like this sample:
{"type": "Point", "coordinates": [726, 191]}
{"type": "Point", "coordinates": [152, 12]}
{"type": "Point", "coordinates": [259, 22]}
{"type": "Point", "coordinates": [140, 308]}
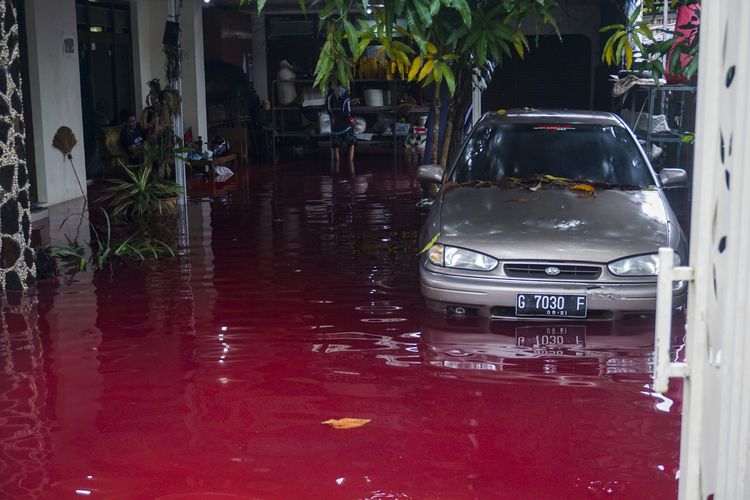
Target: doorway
{"type": "Point", "coordinates": [106, 66]}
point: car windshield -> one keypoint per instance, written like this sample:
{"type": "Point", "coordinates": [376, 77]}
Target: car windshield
{"type": "Point", "coordinates": [603, 154]}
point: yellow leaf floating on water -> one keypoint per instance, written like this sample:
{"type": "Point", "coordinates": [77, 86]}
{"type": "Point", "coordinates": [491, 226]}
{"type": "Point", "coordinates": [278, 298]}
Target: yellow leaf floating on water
{"type": "Point", "coordinates": [347, 423]}
{"type": "Point", "coordinates": [584, 188]}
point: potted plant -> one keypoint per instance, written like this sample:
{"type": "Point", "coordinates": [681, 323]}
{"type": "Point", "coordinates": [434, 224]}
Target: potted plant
{"type": "Point", "coordinates": [142, 193]}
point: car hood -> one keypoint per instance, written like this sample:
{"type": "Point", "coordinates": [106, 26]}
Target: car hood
{"type": "Point", "coordinates": [554, 224]}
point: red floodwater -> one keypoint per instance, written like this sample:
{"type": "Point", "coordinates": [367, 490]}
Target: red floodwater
{"type": "Point", "coordinates": [295, 301]}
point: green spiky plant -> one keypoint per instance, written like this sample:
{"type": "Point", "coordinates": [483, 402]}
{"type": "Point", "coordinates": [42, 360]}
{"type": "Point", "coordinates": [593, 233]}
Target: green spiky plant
{"type": "Point", "coordinates": [127, 243]}
{"type": "Point", "coordinates": [141, 194]}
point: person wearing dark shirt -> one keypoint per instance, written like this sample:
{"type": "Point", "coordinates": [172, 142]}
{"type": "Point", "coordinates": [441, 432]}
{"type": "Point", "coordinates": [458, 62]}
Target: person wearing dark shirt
{"type": "Point", "coordinates": [339, 109]}
{"type": "Point", "coordinates": [131, 139]}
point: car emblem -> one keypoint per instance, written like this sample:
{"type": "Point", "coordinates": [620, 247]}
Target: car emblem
{"type": "Point", "coordinates": [552, 271]}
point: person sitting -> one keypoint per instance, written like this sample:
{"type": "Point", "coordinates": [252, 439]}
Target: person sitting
{"type": "Point", "coordinates": [132, 138]}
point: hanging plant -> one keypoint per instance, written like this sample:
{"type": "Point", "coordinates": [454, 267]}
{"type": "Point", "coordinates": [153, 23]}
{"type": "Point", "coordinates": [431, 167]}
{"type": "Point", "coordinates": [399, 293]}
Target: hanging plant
{"type": "Point", "coordinates": [173, 63]}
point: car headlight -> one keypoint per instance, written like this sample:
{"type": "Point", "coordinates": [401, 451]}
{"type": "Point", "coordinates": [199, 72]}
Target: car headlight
{"type": "Point", "coordinates": [460, 258]}
{"type": "Point", "coordinates": [641, 265]}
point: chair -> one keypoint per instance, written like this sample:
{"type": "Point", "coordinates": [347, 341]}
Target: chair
{"type": "Point", "coordinates": [238, 143]}
{"type": "Point", "coordinates": [112, 153]}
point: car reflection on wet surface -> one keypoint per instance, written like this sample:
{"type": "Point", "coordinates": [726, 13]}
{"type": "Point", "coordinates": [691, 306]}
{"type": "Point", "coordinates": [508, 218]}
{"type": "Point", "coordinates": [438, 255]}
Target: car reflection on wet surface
{"type": "Point", "coordinates": [297, 301]}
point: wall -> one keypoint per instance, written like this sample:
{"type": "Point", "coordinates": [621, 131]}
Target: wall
{"type": "Point", "coordinates": [140, 22]}
{"type": "Point", "coordinates": [55, 88]}
{"type": "Point", "coordinates": [148, 59]}
{"type": "Point", "coordinates": [227, 35]}
{"type": "Point", "coordinates": [554, 74]}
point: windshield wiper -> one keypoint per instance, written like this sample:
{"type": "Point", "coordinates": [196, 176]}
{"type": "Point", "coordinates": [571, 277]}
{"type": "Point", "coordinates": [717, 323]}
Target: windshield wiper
{"type": "Point", "coordinates": [600, 184]}
{"type": "Point", "coordinates": [536, 182]}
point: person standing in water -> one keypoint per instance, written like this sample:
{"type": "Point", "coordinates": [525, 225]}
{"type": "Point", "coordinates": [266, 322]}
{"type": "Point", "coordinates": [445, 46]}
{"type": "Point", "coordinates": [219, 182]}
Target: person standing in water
{"type": "Point", "coordinates": [339, 109]}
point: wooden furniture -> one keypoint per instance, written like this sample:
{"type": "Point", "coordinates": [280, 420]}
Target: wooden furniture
{"type": "Point", "coordinates": [230, 160]}
{"type": "Point", "coordinates": [238, 143]}
{"type": "Point", "coordinates": [112, 154]}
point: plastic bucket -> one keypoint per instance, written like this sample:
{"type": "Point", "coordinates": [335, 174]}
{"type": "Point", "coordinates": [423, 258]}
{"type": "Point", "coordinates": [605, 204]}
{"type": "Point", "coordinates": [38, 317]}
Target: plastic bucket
{"type": "Point", "coordinates": [373, 97]}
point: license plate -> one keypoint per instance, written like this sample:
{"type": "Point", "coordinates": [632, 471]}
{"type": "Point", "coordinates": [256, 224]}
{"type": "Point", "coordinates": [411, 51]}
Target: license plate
{"type": "Point", "coordinates": [551, 336]}
{"type": "Point", "coordinates": [550, 306]}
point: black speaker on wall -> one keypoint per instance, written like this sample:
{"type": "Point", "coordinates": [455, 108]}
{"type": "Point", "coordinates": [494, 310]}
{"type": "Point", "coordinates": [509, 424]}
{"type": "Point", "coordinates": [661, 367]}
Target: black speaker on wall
{"type": "Point", "coordinates": [171, 34]}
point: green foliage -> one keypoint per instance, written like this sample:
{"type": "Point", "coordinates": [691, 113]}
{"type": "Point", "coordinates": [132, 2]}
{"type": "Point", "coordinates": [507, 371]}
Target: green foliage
{"type": "Point", "coordinates": [459, 42]}
{"type": "Point", "coordinates": [447, 36]}
{"type": "Point", "coordinates": [137, 243]}
{"type": "Point", "coordinates": [136, 246]}
{"type": "Point", "coordinates": [110, 243]}
{"type": "Point", "coordinates": [635, 41]}
{"type": "Point", "coordinates": [140, 195]}
{"type": "Point", "coordinates": [73, 253]}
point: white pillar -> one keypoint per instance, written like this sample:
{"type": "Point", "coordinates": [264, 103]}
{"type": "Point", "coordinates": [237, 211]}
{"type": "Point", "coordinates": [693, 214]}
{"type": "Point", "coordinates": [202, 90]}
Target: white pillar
{"type": "Point", "coordinates": [174, 13]}
{"type": "Point", "coordinates": [55, 95]}
{"type": "Point", "coordinates": [715, 450]}
{"type": "Point", "coordinates": [149, 20]}
{"type": "Point", "coordinates": [193, 69]}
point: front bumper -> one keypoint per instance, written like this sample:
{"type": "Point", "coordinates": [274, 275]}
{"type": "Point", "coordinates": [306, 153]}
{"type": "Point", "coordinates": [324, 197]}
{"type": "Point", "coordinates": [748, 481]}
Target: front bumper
{"type": "Point", "coordinates": [496, 297]}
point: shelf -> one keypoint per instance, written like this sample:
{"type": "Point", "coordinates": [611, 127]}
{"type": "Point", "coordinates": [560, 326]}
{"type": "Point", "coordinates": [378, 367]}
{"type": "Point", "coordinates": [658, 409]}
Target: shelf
{"type": "Point", "coordinates": [355, 109]}
{"type": "Point", "coordinates": [279, 114]}
{"type": "Point", "coordinates": [371, 109]}
{"type": "Point", "coordinates": [288, 133]}
{"type": "Point", "coordinates": [354, 82]}
{"type": "Point", "coordinates": [666, 138]}
{"type": "Point", "coordinates": [376, 137]}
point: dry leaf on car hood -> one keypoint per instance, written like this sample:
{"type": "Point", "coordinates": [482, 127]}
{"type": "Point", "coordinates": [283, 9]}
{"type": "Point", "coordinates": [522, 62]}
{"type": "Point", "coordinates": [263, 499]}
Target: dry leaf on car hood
{"type": "Point", "coordinates": [584, 189]}
{"type": "Point", "coordinates": [347, 423]}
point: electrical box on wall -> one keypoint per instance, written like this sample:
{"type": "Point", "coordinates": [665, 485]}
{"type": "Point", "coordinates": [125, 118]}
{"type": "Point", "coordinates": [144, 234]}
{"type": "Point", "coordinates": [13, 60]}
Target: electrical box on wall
{"type": "Point", "coordinates": [171, 34]}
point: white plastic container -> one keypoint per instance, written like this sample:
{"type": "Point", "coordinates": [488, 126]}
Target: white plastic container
{"type": "Point", "coordinates": [374, 97]}
{"type": "Point", "coordinates": [324, 123]}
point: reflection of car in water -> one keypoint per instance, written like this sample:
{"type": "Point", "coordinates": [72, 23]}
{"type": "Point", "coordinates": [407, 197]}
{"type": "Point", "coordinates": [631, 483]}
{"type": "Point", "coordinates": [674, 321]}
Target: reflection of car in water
{"type": "Point", "coordinates": [582, 347]}
{"type": "Point", "coordinates": [548, 214]}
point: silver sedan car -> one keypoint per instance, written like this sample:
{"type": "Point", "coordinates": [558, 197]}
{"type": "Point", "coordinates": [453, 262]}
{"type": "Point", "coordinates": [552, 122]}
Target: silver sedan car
{"type": "Point", "coordinates": [548, 215]}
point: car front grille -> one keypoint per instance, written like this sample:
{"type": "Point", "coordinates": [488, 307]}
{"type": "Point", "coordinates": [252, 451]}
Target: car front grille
{"type": "Point", "coordinates": [567, 271]}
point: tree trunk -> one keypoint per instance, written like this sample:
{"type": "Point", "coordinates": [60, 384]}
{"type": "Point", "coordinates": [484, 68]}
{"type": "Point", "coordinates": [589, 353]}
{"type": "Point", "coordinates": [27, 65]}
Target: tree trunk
{"type": "Point", "coordinates": [17, 267]}
{"type": "Point", "coordinates": [435, 125]}
{"type": "Point", "coordinates": [455, 123]}
{"type": "Point", "coordinates": [463, 100]}
{"type": "Point", "coordinates": [449, 130]}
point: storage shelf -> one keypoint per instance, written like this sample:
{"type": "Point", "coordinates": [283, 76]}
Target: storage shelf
{"type": "Point", "coordinates": [371, 109]}
{"type": "Point", "coordinates": [667, 138]}
{"type": "Point", "coordinates": [355, 109]}
{"type": "Point", "coordinates": [282, 114]}
{"type": "Point", "coordinates": [657, 101]}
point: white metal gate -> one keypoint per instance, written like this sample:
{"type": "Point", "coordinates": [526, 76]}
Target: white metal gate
{"type": "Point", "coordinates": [715, 448]}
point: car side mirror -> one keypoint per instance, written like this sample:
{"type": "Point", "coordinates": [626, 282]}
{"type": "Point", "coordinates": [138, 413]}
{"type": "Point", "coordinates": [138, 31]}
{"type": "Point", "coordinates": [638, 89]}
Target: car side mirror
{"type": "Point", "coordinates": [673, 177]}
{"type": "Point", "coordinates": [430, 174]}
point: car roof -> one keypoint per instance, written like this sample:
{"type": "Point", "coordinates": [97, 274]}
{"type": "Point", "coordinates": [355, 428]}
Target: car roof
{"type": "Point", "coordinates": [551, 116]}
